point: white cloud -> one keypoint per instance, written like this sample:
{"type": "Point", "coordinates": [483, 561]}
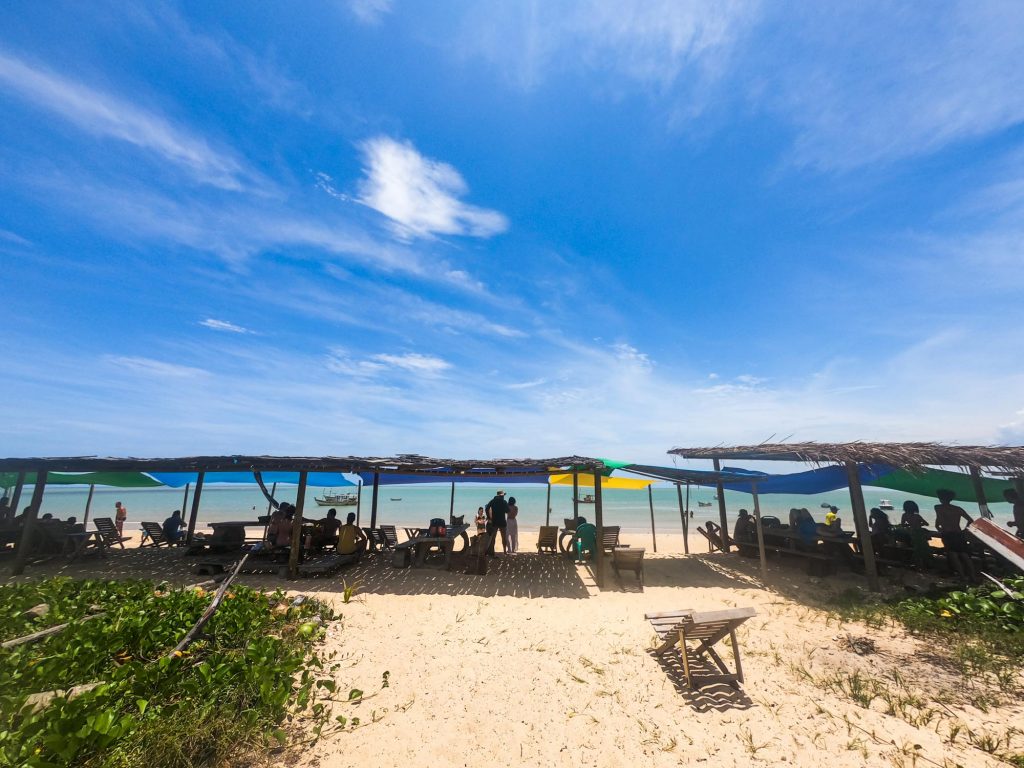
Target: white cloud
{"type": "Point", "coordinates": [340, 361]}
{"type": "Point", "coordinates": [650, 42]}
{"type": "Point", "coordinates": [104, 115]}
{"type": "Point", "coordinates": [370, 11]}
{"type": "Point", "coordinates": [158, 368]}
{"type": "Point", "coordinates": [414, 362]}
{"type": "Point", "coordinates": [223, 325]}
{"type": "Point", "coordinates": [419, 194]}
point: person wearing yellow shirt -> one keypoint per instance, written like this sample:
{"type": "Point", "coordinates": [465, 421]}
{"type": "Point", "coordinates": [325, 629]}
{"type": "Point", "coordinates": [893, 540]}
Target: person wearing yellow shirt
{"type": "Point", "coordinates": [351, 540]}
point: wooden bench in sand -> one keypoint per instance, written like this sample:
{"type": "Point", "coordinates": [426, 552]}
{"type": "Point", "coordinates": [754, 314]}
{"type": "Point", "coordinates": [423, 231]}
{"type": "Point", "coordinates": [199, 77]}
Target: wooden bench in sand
{"type": "Point", "coordinates": [675, 628]}
{"type": "Point", "coordinates": [629, 559]}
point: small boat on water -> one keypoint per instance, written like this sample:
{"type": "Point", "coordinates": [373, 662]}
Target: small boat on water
{"type": "Point", "coordinates": [588, 499]}
{"type": "Point", "coordinates": [703, 503]}
{"type": "Point", "coordinates": [336, 500]}
{"type": "Point", "coordinates": [886, 506]}
{"type": "Point", "coordinates": [394, 499]}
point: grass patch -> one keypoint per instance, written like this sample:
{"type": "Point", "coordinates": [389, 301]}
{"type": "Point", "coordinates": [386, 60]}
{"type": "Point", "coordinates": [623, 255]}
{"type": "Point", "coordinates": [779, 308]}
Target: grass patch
{"type": "Point", "coordinates": [221, 701]}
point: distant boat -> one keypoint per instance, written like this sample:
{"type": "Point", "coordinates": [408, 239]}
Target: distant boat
{"type": "Point", "coordinates": [588, 499]}
{"type": "Point", "coordinates": [394, 499]}
{"type": "Point", "coordinates": [337, 500]}
{"type": "Point", "coordinates": [886, 506]}
{"type": "Point", "coordinates": [703, 503]}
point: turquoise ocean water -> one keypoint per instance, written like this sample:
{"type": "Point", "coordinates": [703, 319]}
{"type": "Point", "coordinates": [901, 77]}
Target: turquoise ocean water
{"type": "Point", "coordinates": [416, 504]}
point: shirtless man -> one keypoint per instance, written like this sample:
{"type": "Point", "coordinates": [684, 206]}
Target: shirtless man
{"type": "Point", "coordinates": [954, 540]}
{"type": "Point", "coordinates": [1018, 511]}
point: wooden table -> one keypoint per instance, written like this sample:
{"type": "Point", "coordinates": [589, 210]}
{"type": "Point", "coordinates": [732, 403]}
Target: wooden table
{"type": "Point", "coordinates": [420, 545]}
{"type": "Point", "coordinates": [81, 542]}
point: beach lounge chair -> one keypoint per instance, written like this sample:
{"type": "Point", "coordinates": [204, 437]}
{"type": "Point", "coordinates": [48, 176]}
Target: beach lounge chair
{"type": "Point", "coordinates": [548, 538]}
{"type": "Point", "coordinates": [610, 538]}
{"type": "Point", "coordinates": [390, 536]}
{"type": "Point", "coordinates": [714, 536]}
{"type": "Point", "coordinates": [108, 532]}
{"type": "Point", "coordinates": [629, 559]}
{"type": "Point", "coordinates": [675, 628]}
{"type": "Point", "coordinates": [375, 539]}
{"type": "Point", "coordinates": [155, 533]}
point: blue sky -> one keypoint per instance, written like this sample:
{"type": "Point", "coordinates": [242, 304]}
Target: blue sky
{"type": "Point", "coordinates": [494, 229]}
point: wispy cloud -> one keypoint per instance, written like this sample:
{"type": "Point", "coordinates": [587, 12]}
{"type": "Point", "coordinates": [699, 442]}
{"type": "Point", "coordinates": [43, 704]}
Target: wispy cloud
{"type": "Point", "coordinates": [341, 361]}
{"type": "Point", "coordinates": [370, 11]}
{"type": "Point", "coordinates": [223, 325]}
{"type": "Point", "coordinates": [105, 115]}
{"type": "Point", "coordinates": [149, 367]}
{"type": "Point", "coordinates": [419, 194]}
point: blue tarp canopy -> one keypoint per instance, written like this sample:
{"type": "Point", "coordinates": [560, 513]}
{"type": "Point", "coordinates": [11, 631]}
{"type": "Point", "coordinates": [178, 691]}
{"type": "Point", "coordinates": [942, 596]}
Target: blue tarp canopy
{"type": "Point", "coordinates": [316, 479]}
{"type": "Point", "coordinates": [386, 478]}
{"type": "Point", "coordinates": [821, 480]}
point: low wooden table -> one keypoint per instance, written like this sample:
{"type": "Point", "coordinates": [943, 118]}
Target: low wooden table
{"type": "Point", "coordinates": [84, 542]}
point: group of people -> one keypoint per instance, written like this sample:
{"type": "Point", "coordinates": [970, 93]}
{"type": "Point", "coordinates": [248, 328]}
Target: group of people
{"type": "Point", "coordinates": [499, 518]}
{"type": "Point", "coordinates": [349, 539]}
{"type": "Point", "coordinates": [950, 521]}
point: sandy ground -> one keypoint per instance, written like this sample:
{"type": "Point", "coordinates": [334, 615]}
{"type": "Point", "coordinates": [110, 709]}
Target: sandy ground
{"type": "Point", "coordinates": [531, 664]}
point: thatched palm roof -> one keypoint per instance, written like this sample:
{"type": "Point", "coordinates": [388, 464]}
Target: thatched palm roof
{"type": "Point", "coordinates": [910, 456]}
{"type": "Point", "coordinates": [403, 463]}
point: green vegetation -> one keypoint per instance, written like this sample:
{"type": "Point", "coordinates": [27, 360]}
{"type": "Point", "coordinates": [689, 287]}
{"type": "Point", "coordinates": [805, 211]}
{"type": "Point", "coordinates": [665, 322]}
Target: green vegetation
{"type": "Point", "coordinates": [224, 698]}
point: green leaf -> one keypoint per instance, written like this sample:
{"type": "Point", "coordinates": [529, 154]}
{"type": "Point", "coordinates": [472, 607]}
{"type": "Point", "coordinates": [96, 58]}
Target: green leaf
{"type": "Point", "coordinates": [142, 704]}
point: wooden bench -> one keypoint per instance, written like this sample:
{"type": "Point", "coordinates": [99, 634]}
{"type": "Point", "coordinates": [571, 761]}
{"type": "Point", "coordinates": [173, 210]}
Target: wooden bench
{"type": "Point", "coordinates": [815, 563]}
{"type": "Point", "coordinates": [155, 533]}
{"type": "Point", "coordinates": [610, 538]}
{"type": "Point", "coordinates": [629, 559]}
{"type": "Point", "coordinates": [109, 532]}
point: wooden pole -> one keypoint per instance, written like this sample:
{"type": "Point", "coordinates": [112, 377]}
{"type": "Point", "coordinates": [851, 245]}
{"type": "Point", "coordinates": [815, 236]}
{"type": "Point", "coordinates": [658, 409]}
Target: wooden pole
{"type": "Point", "coordinates": [650, 501]}
{"type": "Point", "coordinates": [88, 506]}
{"type": "Point", "coordinates": [359, 501]}
{"type": "Point", "coordinates": [760, 533]}
{"type": "Point", "coordinates": [273, 495]}
{"type": "Point", "coordinates": [451, 504]}
{"type": "Point", "coordinates": [721, 510]}
{"type": "Point", "coordinates": [296, 548]}
{"type": "Point", "coordinates": [19, 485]}
{"type": "Point", "coordinates": [575, 496]}
{"type": "Point", "coordinates": [682, 516]}
{"type": "Point", "coordinates": [860, 519]}
{"type": "Point", "coordinates": [1018, 484]}
{"type": "Point", "coordinates": [979, 493]}
{"type": "Point", "coordinates": [599, 515]}
{"type": "Point", "coordinates": [195, 508]}
{"type": "Point", "coordinates": [184, 499]}
{"type": "Point", "coordinates": [373, 500]}
{"type": "Point", "coordinates": [29, 524]}
{"type": "Point", "coordinates": [547, 507]}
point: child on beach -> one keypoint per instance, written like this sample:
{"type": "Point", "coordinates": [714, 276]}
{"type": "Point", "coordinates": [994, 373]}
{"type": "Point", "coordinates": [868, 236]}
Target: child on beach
{"type": "Point", "coordinates": [120, 515]}
{"type": "Point", "coordinates": [481, 521]}
{"type": "Point", "coordinates": [513, 525]}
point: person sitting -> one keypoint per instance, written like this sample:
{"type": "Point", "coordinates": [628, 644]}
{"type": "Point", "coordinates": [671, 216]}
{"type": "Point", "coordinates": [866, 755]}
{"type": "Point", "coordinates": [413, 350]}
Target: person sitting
{"type": "Point", "coordinates": [794, 519]}
{"type": "Point", "coordinates": [325, 532]}
{"type": "Point", "coordinates": [807, 529]}
{"type": "Point", "coordinates": [831, 515]}
{"type": "Point", "coordinates": [1018, 511]}
{"type": "Point", "coordinates": [954, 540]}
{"type": "Point", "coordinates": [173, 528]}
{"type": "Point", "coordinates": [744, 529]}
{"type": "Point", "coordinates": [279, 532]}
{"type": "Point", "coordinates": [880, 528]}
{"type": "Point", "coordinates": [351, 539]}
{"type": "Point", "coordinates": [584, 540]}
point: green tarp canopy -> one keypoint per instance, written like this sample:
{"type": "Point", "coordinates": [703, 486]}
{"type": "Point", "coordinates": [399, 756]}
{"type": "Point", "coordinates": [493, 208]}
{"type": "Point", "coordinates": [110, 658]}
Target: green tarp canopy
{"type": "Point", "coordinates": [115, 479]}
{"type": "Point", "coordinates": [927, 482]}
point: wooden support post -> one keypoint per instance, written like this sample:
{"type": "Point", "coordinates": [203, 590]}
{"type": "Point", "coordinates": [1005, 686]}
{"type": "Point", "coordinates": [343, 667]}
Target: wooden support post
{"type": "Point", "coordinates": [272, 499]}
{"type": "Point", "coordinates": [184, 499]}
{"type": "Point", "coordinates": [575, 495]}
{"type": "Point", "coordinates": [682, 517]}
{"type": "Point", "coordinates": [359, 502]}
{"type": "Point", "coordinates": [195, 508]}
{"type": "Point", "coordinates": [650, 501]}
{"type": "Point", "coordinates": [599, 514]}
{"type": "Point", "coordinates": [296, 548]}
{"type": "Point", "coordinates": [88, 505]}
{"type": "Point", "coordinates": [860, 519]}
{"type": "Point", "coordinates": [451, 504]}
{"type": "Point", "coordinates": [760, 536]}
{"type": "Point", "coordinates": [547, 508]}
{"type": "Point", "coordinates": [373, 500]}
{"type": "Point", "coordinates": [720, 491]}
{"type": "Point", "coordinates": [19, 486]}
{"type": "Point", "coordinates": [28, 525]}
{"type": "Point", "coordinates": [979, 493]}
{"type": "Point", "coordinates": [1018, 484]}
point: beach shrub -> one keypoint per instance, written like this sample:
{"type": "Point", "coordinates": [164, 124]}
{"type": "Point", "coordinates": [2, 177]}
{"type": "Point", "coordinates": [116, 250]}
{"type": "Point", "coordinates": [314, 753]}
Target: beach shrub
{"type": "Point", "coordinates": [227, 694]}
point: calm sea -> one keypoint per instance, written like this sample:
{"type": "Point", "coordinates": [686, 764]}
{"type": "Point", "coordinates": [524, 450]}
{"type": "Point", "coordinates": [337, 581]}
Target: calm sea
{"type": "Point", "coordinates": [416, 504]}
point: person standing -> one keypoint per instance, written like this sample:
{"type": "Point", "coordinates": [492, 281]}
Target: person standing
{"type": "Point", "coordinates": [513, 526]}
{"type": "Point", "coordinates": [1018, 511]}
{"type": "Point", "coordinates": [497, 521]}
{"type": "Point", "coordinates": [120, 515]}
{"type": "Point", "coordinates": [954, 540]}
{"type": "Point", "coordinates": [481, 521]}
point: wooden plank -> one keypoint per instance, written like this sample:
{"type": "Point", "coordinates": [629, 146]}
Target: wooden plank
{"type": "Point", "coordinates": [727, 614]}
{"type": "Point", "coordinates": [721, 508]}
{"type": "Point", "coordinates": [296, 547]}
{"type": "Point", "coordinates": [669, 614]}
{"type": "Point", "coordinates": [190, 534]}
{"type": "Point", "coordinates": [46, 632]}
{"type": "Point", "coordinates": [860, 519]}
{"type": "Point", "coordinates": [650, 501]}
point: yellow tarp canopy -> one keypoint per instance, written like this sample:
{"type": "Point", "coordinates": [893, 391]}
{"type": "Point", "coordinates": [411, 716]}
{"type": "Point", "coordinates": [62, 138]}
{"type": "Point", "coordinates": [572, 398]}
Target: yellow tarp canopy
{"type": "Point", "coordinates": [620, 483]}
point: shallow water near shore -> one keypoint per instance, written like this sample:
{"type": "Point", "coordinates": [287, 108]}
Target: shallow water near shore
{"type": "Point", "coordinates": [416, 504]}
